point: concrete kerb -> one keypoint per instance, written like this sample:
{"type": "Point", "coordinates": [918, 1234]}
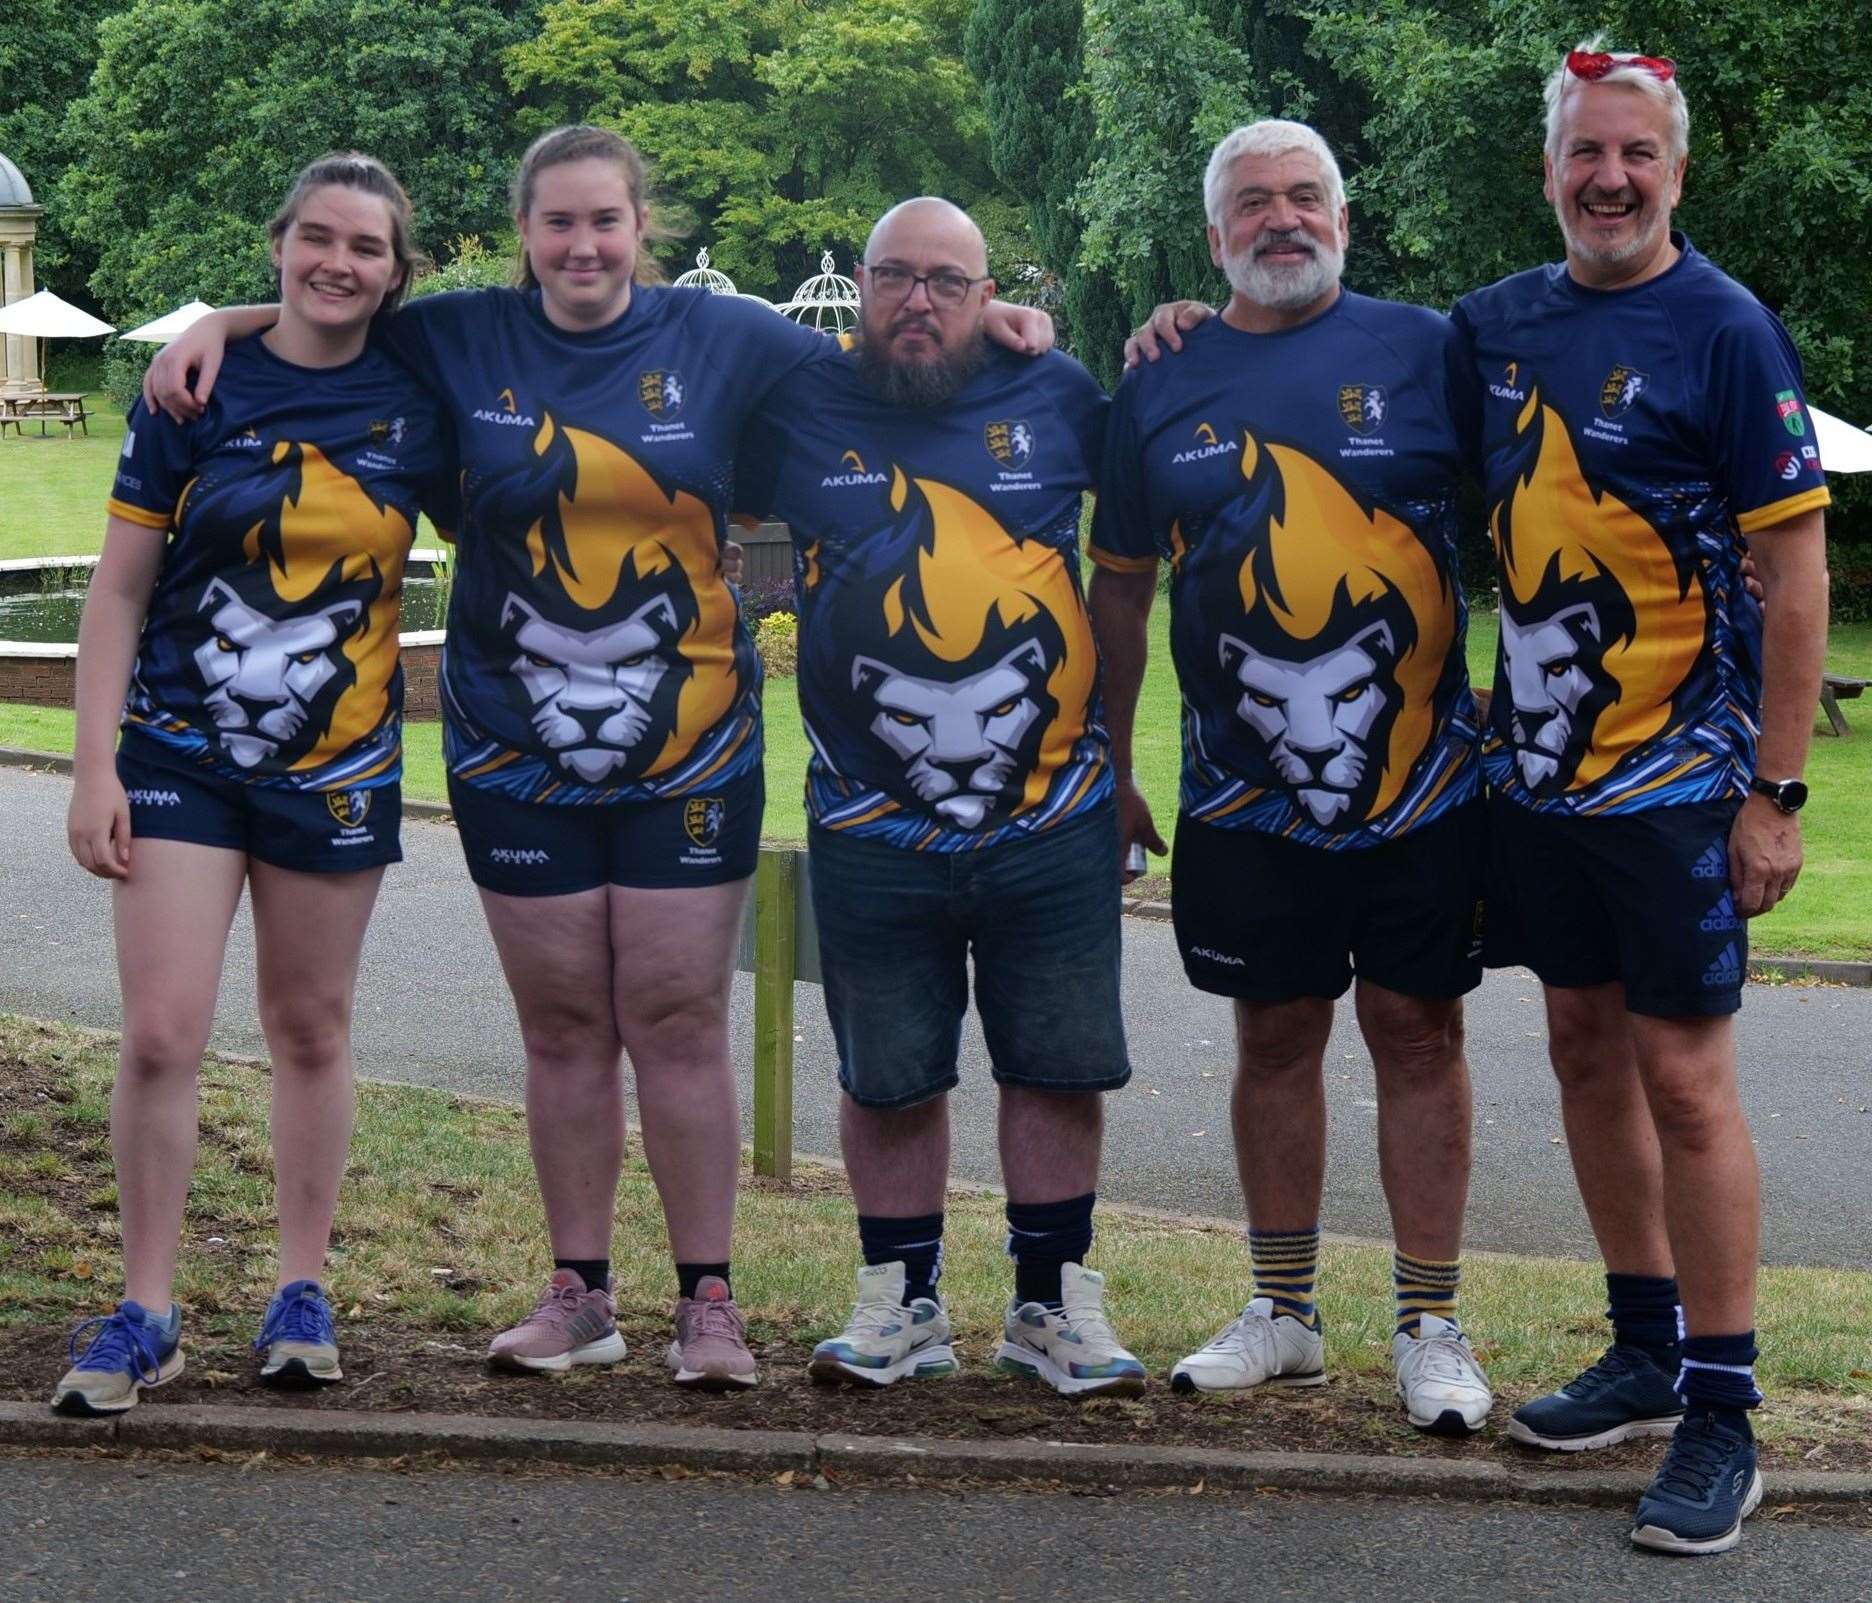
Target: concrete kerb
{"type": "Point", "coordinates": [342, 1433]}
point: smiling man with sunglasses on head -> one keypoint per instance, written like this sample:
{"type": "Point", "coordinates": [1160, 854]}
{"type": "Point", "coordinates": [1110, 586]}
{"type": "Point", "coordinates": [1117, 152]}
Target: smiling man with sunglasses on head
{"type": "Point", "coordinates": [1643, 428]}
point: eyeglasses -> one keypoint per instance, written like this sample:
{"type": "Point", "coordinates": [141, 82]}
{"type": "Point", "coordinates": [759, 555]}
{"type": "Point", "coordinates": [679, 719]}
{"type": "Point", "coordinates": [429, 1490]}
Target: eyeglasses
{"type": "Point", "coordinates": [889, 282]}
{"type": "Point", "coordinates": [1592, 65]}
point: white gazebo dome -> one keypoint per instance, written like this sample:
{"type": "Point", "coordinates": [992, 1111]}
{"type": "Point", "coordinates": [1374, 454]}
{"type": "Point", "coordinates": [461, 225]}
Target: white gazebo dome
{"type": "Point", "coordinates": [702, 276]}
{"type": "Point", "coordinates": [828, 303]}
{"type": "Point", "coordinates": [14, 190]}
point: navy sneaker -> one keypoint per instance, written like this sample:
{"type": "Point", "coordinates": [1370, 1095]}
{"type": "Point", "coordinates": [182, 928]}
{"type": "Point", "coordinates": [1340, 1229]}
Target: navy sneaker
{"type": "Point", "coordinates": [298, 1338]}
{"type": "Point", "coordinates": [1621, 1396]}
{"type": "Point", "coordinates": [1705, 1488]}
{"type": "Point", "coordinates": [131, 1349]}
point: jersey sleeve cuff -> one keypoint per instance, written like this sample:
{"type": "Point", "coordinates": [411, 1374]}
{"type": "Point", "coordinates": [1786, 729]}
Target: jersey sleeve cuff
{"type": "Point", "coordinates": [1781, 511]}
{"type": "Point", "coordinates": [135, 514]}
{"type": "Point", "coordinates": [1111, 561]}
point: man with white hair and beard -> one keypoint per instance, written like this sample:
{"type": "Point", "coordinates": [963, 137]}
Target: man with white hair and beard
{"type": "Point", "coordinates": [1643, 426]}
{"type": "Point", "coordinates": [959, 793]}
{"type": "Point", "coordinates": [1297, 465]}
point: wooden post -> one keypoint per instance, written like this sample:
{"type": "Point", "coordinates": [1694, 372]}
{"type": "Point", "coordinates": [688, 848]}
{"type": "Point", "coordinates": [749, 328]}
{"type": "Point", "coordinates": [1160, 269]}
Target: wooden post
{"type": "Point", "coordinates": [776, 891]}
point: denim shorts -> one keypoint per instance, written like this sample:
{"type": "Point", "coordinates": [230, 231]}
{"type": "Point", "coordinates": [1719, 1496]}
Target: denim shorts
{"type": "Point", "coordinates": [1041, 919]}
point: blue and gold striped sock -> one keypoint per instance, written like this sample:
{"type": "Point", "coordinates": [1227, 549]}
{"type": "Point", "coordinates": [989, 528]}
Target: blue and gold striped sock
{"type": "Point", "coordinates": [1424, 1286]}
{"type": "Point", "coordinates": [1286, 1263]}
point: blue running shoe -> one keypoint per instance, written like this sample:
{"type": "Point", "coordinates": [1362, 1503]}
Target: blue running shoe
{"type": "Point", "coordinates": [1705, 1488]}
{"type": "Point", "coordinates": [298, 1338]}
{"type": "Point", "coordinates": [1621, 1396]}
{"type": "Point", "coordinates": [129, 1351]}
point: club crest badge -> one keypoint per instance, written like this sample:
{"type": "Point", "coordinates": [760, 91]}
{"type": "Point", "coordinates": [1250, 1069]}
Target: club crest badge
{"type": "Point", "coordinates": [1010, 442]}
{"type": "Point", "coordinates": [662, 393]}
{"type": "Point", "coordinates": [349, 807]}
{"type": "Point", "coordinates": [702, 819]}
{"type": "Point", "coordinates": [1622, 387]}
{"type": "Point", "coordinates": [1363, 407]}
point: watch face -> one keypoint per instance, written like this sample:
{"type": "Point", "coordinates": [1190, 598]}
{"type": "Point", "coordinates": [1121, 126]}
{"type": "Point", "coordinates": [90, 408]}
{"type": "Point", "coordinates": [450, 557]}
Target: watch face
{"type": "Point", "coordinates": [1793, 795]}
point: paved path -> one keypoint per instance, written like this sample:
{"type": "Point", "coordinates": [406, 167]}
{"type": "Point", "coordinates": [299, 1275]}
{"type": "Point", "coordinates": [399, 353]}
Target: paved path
{"type": "Point", "coordinates": [81, 1530]}
{"type": "Point", "coordinates": [433, 1010]}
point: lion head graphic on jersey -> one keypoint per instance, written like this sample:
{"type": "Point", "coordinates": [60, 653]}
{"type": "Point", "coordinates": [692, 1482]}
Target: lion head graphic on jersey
{"type": "Point", "coordinates": [623, 651]}
{"type": "Point", "coordinates": [300, 647]}
{"type": "Point", "coordinates": [1599, 628]}
{"type": "Point", "coordinates": [1327, 625]}
{"type": "Point", "coordinates": [969, 656]}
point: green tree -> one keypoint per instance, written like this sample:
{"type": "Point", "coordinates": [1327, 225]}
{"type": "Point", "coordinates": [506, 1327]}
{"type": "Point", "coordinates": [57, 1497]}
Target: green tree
{"type": "Point", "coordinates": [47, 51]}
{"type": "Point", "coordinates": [201, 111]}
{"type": "Point", "coordinates": [777, 129]}
{"type": "Point", "coordinates": [1028, 57]}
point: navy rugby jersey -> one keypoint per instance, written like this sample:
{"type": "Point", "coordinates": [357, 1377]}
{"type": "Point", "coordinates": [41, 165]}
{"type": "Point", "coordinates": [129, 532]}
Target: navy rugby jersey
{"type": "Point", "coordinates": [1631, 438]}
{"type": "Point", "coordinates": [947, 673]}
{"type": "Point", "coordinates": [1302, 485]}
{"type": "Point", "coordinates": [269, 653]}
{"type": "Point", "coordinates": [595, 654]}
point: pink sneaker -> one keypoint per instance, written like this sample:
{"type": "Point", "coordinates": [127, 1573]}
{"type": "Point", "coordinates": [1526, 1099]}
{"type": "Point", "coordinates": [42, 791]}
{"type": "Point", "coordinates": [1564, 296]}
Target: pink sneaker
{"type": "Point", "coordinates": [710, 1352]}
{"type": "Point", "coordinates": [569, 1325]}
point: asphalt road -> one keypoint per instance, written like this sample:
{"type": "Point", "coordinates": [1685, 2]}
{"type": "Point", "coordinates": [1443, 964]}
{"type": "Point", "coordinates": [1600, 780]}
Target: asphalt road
{"type": "Point", "coordinates": [433, 1010]}
{"type": "Point", "coordinates": [79, 1530]}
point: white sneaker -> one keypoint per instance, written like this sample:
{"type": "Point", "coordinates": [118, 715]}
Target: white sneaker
{"type": "Point", "coordinates": [1439, 1381]}
{"type": "Point", "coordinates": [1255, 1349]}
{"type": "Point", "coordinates": [884, 1341]}
{"type": "Point", "coordinates": [1075, 1351]}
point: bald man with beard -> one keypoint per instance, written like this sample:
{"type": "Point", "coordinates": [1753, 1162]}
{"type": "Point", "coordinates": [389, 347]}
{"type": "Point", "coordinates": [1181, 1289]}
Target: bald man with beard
{"type": "Point", "coordinates": [959, 793]}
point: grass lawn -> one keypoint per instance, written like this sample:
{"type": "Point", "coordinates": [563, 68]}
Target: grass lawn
{"type": "Point", "coordinates": [52, 490]}
{"type": "Point", "coordinates": [440, 1241]}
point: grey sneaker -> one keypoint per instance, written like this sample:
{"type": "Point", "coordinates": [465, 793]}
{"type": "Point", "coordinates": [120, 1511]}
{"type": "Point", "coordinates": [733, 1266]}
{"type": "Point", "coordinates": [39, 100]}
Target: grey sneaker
{"type": "Point", "coordinates": [569, 1325]}
{"type": "Point", "coordinates": [1074, 1350]}
{"type": "Point", "coordinates": [710, 1352]}
{"type": "Point", "coordinates": [885, 1339]}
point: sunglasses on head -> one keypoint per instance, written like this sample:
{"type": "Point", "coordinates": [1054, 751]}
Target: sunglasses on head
{"type": "Point", "coordinates": [1592, 65]}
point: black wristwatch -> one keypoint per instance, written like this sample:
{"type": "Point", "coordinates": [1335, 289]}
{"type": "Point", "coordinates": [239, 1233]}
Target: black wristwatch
{"type": "Point", "coordinates": [1790, 795]}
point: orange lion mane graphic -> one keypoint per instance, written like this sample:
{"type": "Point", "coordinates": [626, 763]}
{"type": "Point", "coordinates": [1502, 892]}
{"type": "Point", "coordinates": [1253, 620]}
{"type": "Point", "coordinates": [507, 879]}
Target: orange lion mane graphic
{"type": "Point", "coordinates": [972, 585]}
{"type": "Point", "coordinates": [1324, 566]}
{"type": "Point", "coordinates": [1559, 540]}
{"type": "Point", "coordinates": [614, 527]}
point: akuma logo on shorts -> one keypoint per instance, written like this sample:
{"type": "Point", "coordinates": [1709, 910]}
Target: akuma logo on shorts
{"type": "Point", "coordinates": [143, 797]}
{"type": "Point", "coordinates": [349, 807]}
{"type": "Point", "coordinates": [702, 818]}
{"type": "Point", "coordinates": [1211, 955]}
{"type": "Point", "coordinates": [519, 856]}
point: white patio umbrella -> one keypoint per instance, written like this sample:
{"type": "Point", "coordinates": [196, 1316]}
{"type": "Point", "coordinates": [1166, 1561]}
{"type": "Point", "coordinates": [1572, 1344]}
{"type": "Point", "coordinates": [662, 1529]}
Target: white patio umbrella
{"type": "Point", "coordinates": [1843, 448]}
{"type": "Point", "coordinates": [171, 325]}
{"type": "Point", "coordinates": [44, 316]}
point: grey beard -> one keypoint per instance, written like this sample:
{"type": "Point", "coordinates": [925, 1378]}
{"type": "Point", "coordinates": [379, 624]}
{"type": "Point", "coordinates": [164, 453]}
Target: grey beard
{"type": "Point", "coordinates": [1285, 289]}
{"type": "Point", "coordinates": [927, 383]}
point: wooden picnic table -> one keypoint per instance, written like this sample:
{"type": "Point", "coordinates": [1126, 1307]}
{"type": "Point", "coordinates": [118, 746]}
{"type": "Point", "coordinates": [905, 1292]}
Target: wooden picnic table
{"type": "Point", "coordinates": [1835, 688]}
{"type": "Point", "coordinates": [69, 410]}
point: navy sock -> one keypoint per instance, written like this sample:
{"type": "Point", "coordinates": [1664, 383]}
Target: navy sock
{"type": "Point", "coordinates": [595, 1272]}
{"type": "Point", "coordinates": [1041, 1237]}
{"type": "Point", "coordinates": [1645, 1313]}
{"type": "Point", "coordinates": [916, 1242]}
{"type": "Point", "coordinates": [1719, 1373]}
{"type": "Point", "coordinates": [690, 1275]}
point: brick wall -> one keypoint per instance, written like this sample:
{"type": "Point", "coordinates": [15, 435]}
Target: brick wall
{"type": "Point", "coordinates": [51, 681]}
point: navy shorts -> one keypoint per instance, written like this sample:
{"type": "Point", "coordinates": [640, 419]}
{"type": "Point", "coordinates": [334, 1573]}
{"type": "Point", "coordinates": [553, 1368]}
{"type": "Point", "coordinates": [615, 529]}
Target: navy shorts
{"type": "Point", "coordinates": [1264, 919]}
{"type": "Point", "coordinates": [1641, 898]}
{"type": "Point", "coordinates": [1041, 917]}
{"type": "Point", "coordinates": [520, 848]}
{"type": "Point", "coordinates": [309, 831]}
